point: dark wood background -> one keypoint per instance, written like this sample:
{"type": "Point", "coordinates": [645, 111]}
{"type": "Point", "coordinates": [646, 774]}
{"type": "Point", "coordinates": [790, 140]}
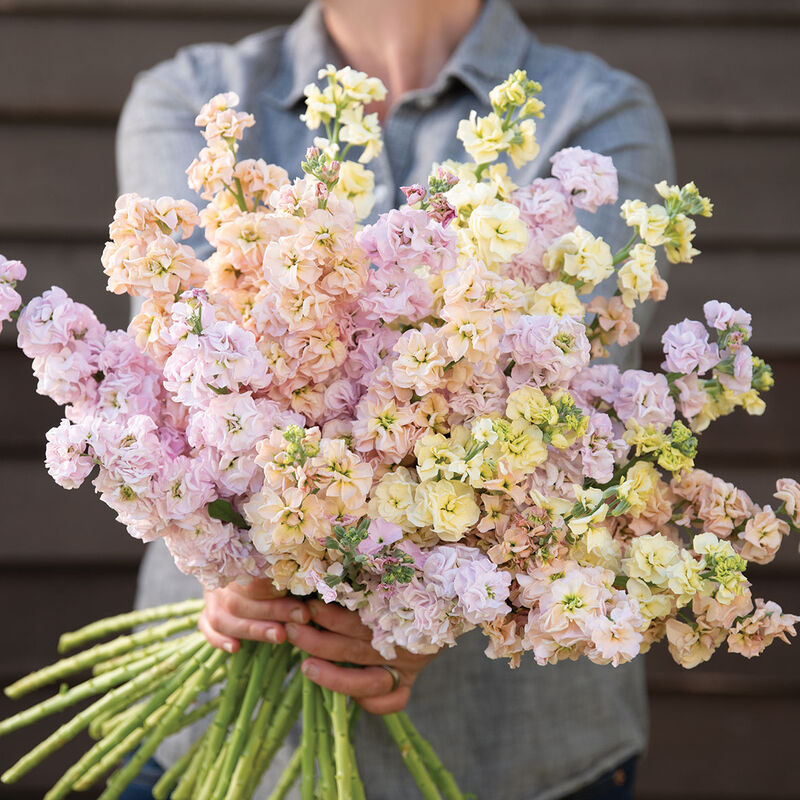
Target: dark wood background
{"type": "Point", "coordinates": [724, 72]}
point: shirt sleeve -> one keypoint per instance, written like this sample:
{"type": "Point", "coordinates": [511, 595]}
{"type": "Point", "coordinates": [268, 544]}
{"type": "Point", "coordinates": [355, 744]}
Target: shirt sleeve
{"type": "Point", "coordinates": [156, 137]}
{"type": "Point", "coordinates": [623, 121]}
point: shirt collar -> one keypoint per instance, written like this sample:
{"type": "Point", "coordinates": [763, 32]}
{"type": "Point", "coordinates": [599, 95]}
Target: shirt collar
{"type": "Point", "coordinates": [495, 46]}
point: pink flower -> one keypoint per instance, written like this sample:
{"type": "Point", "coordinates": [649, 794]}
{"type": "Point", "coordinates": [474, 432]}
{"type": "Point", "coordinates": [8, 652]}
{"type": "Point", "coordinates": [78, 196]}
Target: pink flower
{"type": "Point", "coordinates": [740, 377]}
{"type": "Point", "coordinates": [590, 178]}
{"type": "Point", "coordinates": [787, 491]}
{"type": "Point", "coordinates": [723, 316]}
{"type": "Point", "coordinates": [687, 348]}
{"type": "Point", "coordinates": [392, 292]}
{"type": "Point", "coordinates": [762, 536]}
{"type": "Point", "coordinates": [755, 633]}
{"type": "Point", "coordinates": [644, 397]}
{"type": "Point", "coordinates": [53, 321]}
{"type": "Point", "coordinates": [692, 395]}
{"type": "Point", "coordinates": [546, 209]}
{"type": "Point", "coordinates": [381, 533]}
{"type": "Point", "coordinates": [408, 238]}
{"type": "Point", "coordinates": [548, 350]}
{"type": "Point", "coordinates": [66, 457]}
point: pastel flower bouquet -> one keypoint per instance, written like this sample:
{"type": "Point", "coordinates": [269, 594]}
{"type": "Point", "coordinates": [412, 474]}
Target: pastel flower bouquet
{"type": "Point", "coordinates": [411, 418]}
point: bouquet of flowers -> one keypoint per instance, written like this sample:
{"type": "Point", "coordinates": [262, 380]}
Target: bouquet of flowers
{"type": "Point", "coordinates": [410, 418]}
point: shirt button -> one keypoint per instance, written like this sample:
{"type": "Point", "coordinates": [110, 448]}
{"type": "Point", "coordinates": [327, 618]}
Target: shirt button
{"type": "Point", "coordinates": [381, 194]}
{"type": "Point", "coordinates": [427, 102]}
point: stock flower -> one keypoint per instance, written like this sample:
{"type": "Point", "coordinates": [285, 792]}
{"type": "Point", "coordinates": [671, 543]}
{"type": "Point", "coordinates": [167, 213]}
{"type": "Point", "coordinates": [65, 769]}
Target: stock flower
{"type": "Point", "coordinates": [449, 508]}
{"type": "Point", "coordinates": [483, 137]}
{"type": "Point", "coordinates": [589, 177]}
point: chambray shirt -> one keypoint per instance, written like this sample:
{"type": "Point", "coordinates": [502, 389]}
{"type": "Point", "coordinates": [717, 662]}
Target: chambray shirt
{"type": "Point", "coordinates": [528, 734]}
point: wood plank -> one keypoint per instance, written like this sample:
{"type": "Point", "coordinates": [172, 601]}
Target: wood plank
{"type": "Point", "coordinates": [36, 606]}
{"type": "Point", "coordinates": [729, 275]}
{"type": "Point", "coordinates": [54, 162]}
{"type": "Point", "coordinates": [610, 11]}
{"type": "Point", "coordinates": [703, 749]}
{"type": "Point", "coordinates": [77, 530]}
{"type": "Point", "coordinates": [95, 85]}
{"type": "Point", "coordinates": [76, 268]}
{"type": "Point", "coordinates": [40, 603]}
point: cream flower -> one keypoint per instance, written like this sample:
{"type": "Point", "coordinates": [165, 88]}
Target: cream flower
{"type": "Point", "coordinates": [483, 137]}
{"type": "Point", "coordinates": [449, 507]}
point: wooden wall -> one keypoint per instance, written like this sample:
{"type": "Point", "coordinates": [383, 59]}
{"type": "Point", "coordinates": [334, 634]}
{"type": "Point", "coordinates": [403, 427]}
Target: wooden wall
{"type": "Point", "coordinates": [725, 74]}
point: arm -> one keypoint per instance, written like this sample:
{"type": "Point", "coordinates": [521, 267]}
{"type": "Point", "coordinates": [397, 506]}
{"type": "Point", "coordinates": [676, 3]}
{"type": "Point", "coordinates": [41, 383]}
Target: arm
{"type": "Point", "coordinates": [621, 120]}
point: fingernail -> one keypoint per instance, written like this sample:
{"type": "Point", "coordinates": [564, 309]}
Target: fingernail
{"type": "Point", "coordinates": [297, 615]}
{"type": "Point", "coordinates": [271, 635]}
{"type": "Point", "coordinates": [227, 647]}
{"type": "Point", "coordinates": [309, 670]}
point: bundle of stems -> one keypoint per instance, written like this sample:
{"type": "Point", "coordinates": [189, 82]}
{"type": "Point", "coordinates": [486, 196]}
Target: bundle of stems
{"type": "Point", "coordinates": [152, 683]}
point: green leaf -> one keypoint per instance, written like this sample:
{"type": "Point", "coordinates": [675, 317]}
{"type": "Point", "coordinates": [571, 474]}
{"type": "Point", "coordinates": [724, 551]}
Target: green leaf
{"type": "Point", "coordinates": [225, 512]}
{"type": "Point", "coordinates": [223, 390]}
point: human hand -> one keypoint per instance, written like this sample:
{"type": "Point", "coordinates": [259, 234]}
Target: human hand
{"type": "Point", "coordinates": [255, 611]}
{"type": "Point", "coordinates": [342, 637]}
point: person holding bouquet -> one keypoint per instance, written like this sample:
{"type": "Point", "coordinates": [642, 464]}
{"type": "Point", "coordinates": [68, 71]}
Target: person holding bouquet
{"type": "Point", "coordinates": [571, 730]}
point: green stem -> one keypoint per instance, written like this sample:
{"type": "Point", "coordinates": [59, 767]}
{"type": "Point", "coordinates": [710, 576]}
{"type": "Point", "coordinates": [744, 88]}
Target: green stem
{"type": "Point", "coordinates": [412, 759]}
{"type": "Point", "coordinates": [133, 655]}
{"type": "Point", "coordinates": [167, 782]}
{"type": "Point", "coordinates": [222, 719]}
{"type": "Point", "coordinates": [327, 781]}
{"type": "Point", "coordinates": [242, 773]}
{"type": "Point", "coordinates": [65, 783]}
{"type": "Point", "coordinates": [121, 778]}
{"type": "Point", "coordinates": [121, 622]}
{"type": "Point", "coordinates": [261, 655]}
{"type": "Point", "coordinates": [285, 716]}
{"type": "Point", "coordinates": [95, 685]}
{"type": "Point", "coordinates": [186, 784]}
{"type": "Point", "coordinates": [443, 779]}
{"type": "Point", "coordinates": [341, 746]}
{"type": "Point", "coordinates": [307, 745]}
{"type": "Point", "coordinates": [625, 252]}
{"type": "Point", "coordinates": [288, 777]}
{"type": "Point", "coordinates": [101, 652]}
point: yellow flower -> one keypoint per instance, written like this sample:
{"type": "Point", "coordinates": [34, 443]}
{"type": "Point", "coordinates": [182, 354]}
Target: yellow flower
{"type": "Point", "coordinates": [652, 603]}
{"type": "Point", "coordinates": [557, 298]}
{"type": "Point", "coordinates": [524, 147]}
{"type": "Point", "coordinates": [678, 244]}
{"type": "Point", "coordinates": [320, 106]}
{"type": "Point", "coordinates": [483, 137]}
{"type": "Point", "coordinates": [361, 130]}
{"type": "Point", "coordinates": [752, 403]}
{"type": "Point", "coordinates": [579, 257]}
{"type": "Point", "coordinates": [650, 221]}
{"type": "Point", "coordinates": [356, 183]}
{"type": "Point", "coordinates": [438, 456]}
{"type": "Point", "coordinates": [531, 404]}
{"type": "Point", "coordinates": [652, 558]}
{"type": "Point", "coordinates": [639, 484]}
{"type": "Point", "coordinates": [393, 497]}
{"type": "Point", "coordinates": [499, 181]}
{"type": "Point", "coordinates": [498, 232]}
{"type": "Point", "coordinates": [358, 86]}
{"type": "Point", "coordinates": [523, 445]}
{"type": "Point", "coordinates": [685, 579]}
{"type": "Point", "coordinates": [635, 277]}
{"type": "Point", "coordinates": [449, 507]}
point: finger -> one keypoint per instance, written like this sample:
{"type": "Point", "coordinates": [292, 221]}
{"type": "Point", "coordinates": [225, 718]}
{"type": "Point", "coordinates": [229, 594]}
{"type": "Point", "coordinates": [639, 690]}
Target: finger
{"type": "Point", "coordinates": [216, 639]}
{"type": "Point", "coordinates": [276, 610]}
{"type": "Point", "coordinates": [353, 681]}
{"type": "Point", "coordinates": [387, 703]}
{"type": "Point", "coordinates": [331, 646]}
{"type": "Point", "coordinates": [225, 624]}
{"type": "Point", "coordinates": [257, 589]}
{"type": "Point", "coordinates": [339, 620]}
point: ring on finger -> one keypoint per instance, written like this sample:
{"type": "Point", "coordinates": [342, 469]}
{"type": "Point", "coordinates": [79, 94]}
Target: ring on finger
{"type": "Point", "coordinates": [395, 676]}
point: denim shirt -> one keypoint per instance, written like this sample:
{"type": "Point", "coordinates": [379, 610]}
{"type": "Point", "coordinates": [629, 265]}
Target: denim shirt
{"type": "Point", "coordinates": [536, 732]}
